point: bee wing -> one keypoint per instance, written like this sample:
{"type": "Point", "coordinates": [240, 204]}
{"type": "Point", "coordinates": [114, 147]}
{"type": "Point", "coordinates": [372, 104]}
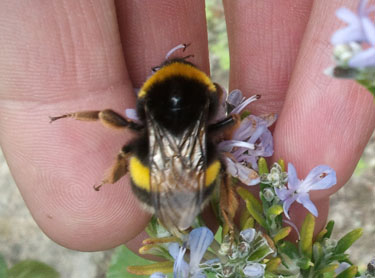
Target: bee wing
{"type": "Point", "coordinates": [177, 172]}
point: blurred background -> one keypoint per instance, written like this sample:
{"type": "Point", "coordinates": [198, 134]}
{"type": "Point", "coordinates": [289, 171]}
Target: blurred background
{"type": "Point", "coordinates": [20, 238]}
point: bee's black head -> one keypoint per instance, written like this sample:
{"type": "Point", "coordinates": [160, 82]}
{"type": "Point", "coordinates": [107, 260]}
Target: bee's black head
{"type": "Point", "coordinates": [177, 103]}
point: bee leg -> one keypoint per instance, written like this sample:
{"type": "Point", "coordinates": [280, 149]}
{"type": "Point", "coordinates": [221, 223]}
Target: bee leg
{"type": "Point", "coordinates": [107, 117]}
{"type": "Point", "coordinates": [228, 204]}
{"type": "Point", "coordinates": [225, 123]}
{"type": "Point", "coordinates": [118, 170]}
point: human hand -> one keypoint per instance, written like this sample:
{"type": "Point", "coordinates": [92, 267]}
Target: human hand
{"type": "Point", "coordinates": [67, 56]}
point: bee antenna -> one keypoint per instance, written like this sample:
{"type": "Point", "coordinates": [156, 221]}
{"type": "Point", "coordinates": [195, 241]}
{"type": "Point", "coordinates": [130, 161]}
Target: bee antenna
{"type": "Point", "coordinates": [188, 56]}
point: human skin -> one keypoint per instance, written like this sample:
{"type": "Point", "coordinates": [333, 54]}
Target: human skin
{"type": "Point", "coordinates": [66, 56]}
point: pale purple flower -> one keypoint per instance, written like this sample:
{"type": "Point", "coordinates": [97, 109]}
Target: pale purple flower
{"type": "Point", "coordinates": [360, 29]}
{"type": "Point", "coordinates": [342, 267]}
{"type": "Point", "coordinates": [198, 242]}
{"type": "Point", "coordinates": [237, 102]}
{"type": "Point", "coordinates": [254, 270]}
{"type": "Point", "coordinates": [321, 177]}
{"type": "Point", "coordinates": [251, 140]}
{"type": "Point", "coordinates": [158, 275]}
{"type": "Point", "coordinates": [131, 114]}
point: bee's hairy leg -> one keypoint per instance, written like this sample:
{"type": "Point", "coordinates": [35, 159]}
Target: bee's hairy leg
{"type": "Point", "coordinates": [107, 117]}
{"type": "Point", "coordinates": [228, 204]}
{"type": "Point", "coordinates": [118, 170]}
{"type": "Point", "coordinates": [223, 124]}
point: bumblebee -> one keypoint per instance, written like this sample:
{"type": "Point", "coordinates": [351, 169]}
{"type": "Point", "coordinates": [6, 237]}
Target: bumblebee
{"type": "Point", "coordinates": [173, 163]}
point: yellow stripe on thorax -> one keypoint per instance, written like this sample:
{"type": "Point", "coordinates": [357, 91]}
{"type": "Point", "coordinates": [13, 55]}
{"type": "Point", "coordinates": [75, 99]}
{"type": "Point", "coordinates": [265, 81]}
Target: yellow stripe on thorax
{"type": "Point", "coordinates": [140, 173]}
{"type": "Point", "coordinates": [177, 69]}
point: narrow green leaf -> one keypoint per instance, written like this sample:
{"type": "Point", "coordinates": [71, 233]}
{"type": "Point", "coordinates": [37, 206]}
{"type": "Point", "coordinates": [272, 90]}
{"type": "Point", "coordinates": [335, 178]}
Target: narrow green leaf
{"type": "Point", "coordinates": [3, 268]}
{"type": "Point", "coordinates": [256, 214]}
{"type": "Point", "coordinates": [32, 269]}
{"type": "Point", "coordinates": [289, 249]}
{"type": "Point", "coordinates": [281, 162]}
{"type": "Point", "coordinates": [260, 253]}
{"type": "Point", "coordinates": [331, 274]}
{"type": "Point", "coordinates": [262, 166]}
{"type": "Point", "coordinates": [273, 264]}
{"type": "Point", "coordinates": [249, 223]}
{"type": "Point", "coordinates": [282, 233]}
{"type": "Point", "coordinates": [307, 232]}
{"type": "Point", "coordinates": [163, 267]}
{"type": "Point", "coordinates": [329, 229]}
{"type": "Point", "coordinates": [321, 234]}
{"type": "Point", "coordinates": [275, 210]}
{"type": "Point", "coordinates": [350, 272]}
{"type": "Point", "coordinates": [346, 241]}
{"type": "Point", "coordinates": [247, 196]}
{"type": "Point", "coordinates": [328, 268]}
{"type": "Point", "coordinates": [304, 263]}
{"type": "Point", "coordinates": [318, 253]}
{"type": "Point", "coordinates": [121, 259]}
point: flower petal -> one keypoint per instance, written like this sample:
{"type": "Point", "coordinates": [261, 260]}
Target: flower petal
{"type": "Point", "coordinates": [254, 270]}
{"type": "Point", "coordinates": [235, 97]}
{"type": "Point", "coordinates": [199, 240]}
{"type": "Point", "coordinates": [369, 30]}
{"type": "Point", "coordinates": [131, 114]}
{"type": "Point", "coordinates": [287, 203]}
{"type": "Point", "coordinates": [180, 267]}
{"type": "Point", "coordinates": [321, 177]}
{"type": "Point", "coordinates": [247, 175]}
{"type": "Point", "coordinates": [174, 249]}
{"type": "Point", "coordinates": [348, 34]}
{"type": "Point", "coordinates": [347, 15]}
{"type": "Point", "coordinates": [293, 180]}
{"type": "Point", "coordinates": [363, 59]}
{"type": "Point", "coordinates": [283, 193]}
{"type": "Point", "coordinates": [304, 199]}
{"type": "Point", "coordinates": [158, 275]}
{"type": "Point", "coordinates": [243, 105]}
{"type": "Point", "coordinates": [248, 235]}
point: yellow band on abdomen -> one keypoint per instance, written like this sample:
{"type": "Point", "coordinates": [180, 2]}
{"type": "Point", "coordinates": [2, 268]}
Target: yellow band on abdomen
{"type": "Point", "coordinates": [140, 173]}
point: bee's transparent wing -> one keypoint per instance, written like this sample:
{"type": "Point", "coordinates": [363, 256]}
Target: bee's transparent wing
{"type": "Point", "coordinates": [177, 172]}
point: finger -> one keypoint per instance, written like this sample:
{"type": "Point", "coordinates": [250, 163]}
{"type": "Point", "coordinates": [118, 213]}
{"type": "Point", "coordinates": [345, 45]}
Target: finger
{"type": "Point", "coordinates": [324, 120]}
{"type": "Point", "coordinates": [149, 29]}
{"type": "Point", "coordinates": [264, 38]}
{"type": "Point", "coordinates": [60, 57]}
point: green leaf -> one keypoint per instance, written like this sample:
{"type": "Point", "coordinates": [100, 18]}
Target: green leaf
{"type": "Point", "coordinates": [304, 263]}
{"type": "Point", "coordinates": [327, 269]}
{"type": "Point", "coordinates": [275, 210]}
{"type": "Point", "coordinates": [281, 162]}
{"type": "Point", "coordinates": [289, 249]}
{"type": "Point", "coordinates": [350, 272]}
{"type": "Point", "coordinates": [163, 267]}
{"type": "Point", "coordinates": [329, 229]}
{"type": "Point", "coordinates": [282, 233]}
{"type": "Point", "coordinates": [262, 166]}
{"type": "Point", "coordinates": [3, 268]}
{"type": "Point", "coordinates": [307, 232]}
{"type": "Point", "coordinates": [247, 196]}
{"type": "Point", "coordinates": [346, 241]}
{"type": "Point", "coordinates": [32, 269]}
{"type": "Point", "coordinates": [258, 216]}
{"type": "Point", "coordinates": [318, 253]}
{"type": "Point", "coordinates": [121, 259]}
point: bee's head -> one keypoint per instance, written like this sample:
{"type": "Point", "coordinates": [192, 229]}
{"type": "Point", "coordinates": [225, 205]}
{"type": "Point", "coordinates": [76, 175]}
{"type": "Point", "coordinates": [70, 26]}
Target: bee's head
{"type": "Point", "coordinates": [177, 103]}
